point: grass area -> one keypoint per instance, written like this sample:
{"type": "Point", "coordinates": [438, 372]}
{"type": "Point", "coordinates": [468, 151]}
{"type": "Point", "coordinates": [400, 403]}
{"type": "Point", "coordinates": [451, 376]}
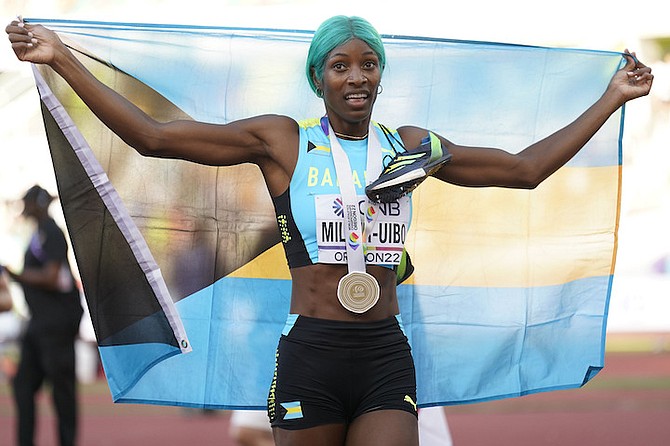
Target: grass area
{"type": "Point", "coordinates": [632, 383]}
{"type": "Point", "coordinates": [637, 342]}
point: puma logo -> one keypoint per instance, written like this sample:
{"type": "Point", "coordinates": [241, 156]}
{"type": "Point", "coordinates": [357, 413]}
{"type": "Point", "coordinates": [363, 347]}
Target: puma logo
{"type": "Point", "coordinates": [411, 401]}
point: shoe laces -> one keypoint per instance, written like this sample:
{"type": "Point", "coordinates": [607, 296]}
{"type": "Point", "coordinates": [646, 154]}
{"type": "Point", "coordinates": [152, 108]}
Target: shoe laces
{"type": "Point", "coordinates": [388, 159]}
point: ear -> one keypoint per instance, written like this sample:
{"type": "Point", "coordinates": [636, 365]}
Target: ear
{"type": "Point", "coordinates": [316, 81]}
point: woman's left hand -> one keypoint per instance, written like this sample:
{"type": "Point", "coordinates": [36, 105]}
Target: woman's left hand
{"type": "Point", "coordinates": [633, 80]}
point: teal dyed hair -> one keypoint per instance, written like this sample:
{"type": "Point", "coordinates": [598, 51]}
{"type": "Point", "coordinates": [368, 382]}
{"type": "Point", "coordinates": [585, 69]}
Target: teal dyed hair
{"type": "Point", "coordinates": [337, 31]}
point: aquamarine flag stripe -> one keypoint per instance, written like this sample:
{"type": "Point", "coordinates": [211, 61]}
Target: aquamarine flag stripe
{"type": "Point", "coordinates": [496, 339]}
{"type": "Point", "coordinates": [459, 358]}
{"type": "Point", "coordinates": [228, 74]}
{"type": "Point", "coordinates": [137, 359]}
{"type": "Point", "coordinates": [241, 333]}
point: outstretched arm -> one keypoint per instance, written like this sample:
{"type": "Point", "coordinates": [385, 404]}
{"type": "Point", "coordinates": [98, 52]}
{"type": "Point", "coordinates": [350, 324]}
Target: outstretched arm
{"type": "Point", "coordinates": [472, 166]}
{"type": "Point", "coordinates": [256, 140]}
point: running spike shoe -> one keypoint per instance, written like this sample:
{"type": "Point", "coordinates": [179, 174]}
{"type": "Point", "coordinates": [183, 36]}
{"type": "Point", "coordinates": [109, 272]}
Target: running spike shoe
{"type": "Point", "coordinates": [407, 170]}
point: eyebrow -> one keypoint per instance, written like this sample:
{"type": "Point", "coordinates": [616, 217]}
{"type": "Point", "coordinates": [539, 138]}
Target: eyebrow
{"type": "Point", "coordinates": [366, 53]}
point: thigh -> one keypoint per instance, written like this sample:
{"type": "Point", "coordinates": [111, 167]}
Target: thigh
{"type": "Point", "coordinates": [385, 379]}
{"type": "Point", "coordinates": [307, 387]}
{"type": "Point", "coordinates": [58, 359]}
{"type": "Point", "coordinates": [384, 428]}
{"type": "Point", "coordinates": [324, 435]}
{"type": "Point", "coordinates": [30, 374]}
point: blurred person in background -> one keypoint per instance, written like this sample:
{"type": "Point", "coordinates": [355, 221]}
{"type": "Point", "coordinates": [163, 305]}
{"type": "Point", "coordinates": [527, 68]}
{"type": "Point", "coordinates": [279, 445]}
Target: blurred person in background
{"type": "Point", "coordinates": [47, 344]}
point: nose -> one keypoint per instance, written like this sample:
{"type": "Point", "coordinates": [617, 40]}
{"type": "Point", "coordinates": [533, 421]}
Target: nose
{"type": "Point", "coordinates": [356, 76]}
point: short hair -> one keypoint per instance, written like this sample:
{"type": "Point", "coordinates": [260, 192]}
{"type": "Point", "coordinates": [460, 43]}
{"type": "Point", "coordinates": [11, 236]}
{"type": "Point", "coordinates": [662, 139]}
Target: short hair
{"type": "Point", "coordinates": [38, 196]}
{"type": "Point", "coordinates": [337, 31]}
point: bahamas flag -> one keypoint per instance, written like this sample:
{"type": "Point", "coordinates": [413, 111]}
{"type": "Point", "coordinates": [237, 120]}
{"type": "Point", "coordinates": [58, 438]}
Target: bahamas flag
{"type": "Point", "coordinates": [182, 264]}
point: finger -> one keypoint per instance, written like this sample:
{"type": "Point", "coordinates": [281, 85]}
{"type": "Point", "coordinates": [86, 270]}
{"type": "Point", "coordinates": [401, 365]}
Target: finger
{"type": "Point", "coordinates": [640, 75]}
{"type": "Point", "coordinates": [23, 24]}
{"type": "Point", "coordinates": [20, 23]}
{"type": "Point", "coordinates": [22, 47]}
{"type": "Point", "coordinates": [22, 41]}
{"type": "Point", "coordinates": [646, 76]}
{"type": "Point", "coordinates": [640, 65]}
{"type": "Point", "coordinates": [21, 36]}
{"type": "Point", "coordinates": [640, 71]}
{"type": "Point", "coordinates": [15, 28]}
{"type": "Point", "coordinates": [643, 69]}
{"type": "Point", "coordinates": [631, 60]}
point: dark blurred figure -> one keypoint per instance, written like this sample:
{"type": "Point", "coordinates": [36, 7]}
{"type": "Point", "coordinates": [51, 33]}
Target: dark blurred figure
{"type": "Point", "coordinates": [47, 345]}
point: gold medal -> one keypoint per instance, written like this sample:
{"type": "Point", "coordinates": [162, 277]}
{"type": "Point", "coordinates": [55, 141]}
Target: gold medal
{"type": "Point", "coordinates": [358, 292]}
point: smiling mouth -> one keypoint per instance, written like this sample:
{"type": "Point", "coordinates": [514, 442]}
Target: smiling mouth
{"type": "Point", "coordinates": [356, 96]}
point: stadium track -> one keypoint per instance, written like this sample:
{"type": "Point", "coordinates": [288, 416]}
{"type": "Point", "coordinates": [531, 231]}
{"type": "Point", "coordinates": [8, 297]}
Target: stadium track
{"type": "Point", "coordinates": [627, 404]}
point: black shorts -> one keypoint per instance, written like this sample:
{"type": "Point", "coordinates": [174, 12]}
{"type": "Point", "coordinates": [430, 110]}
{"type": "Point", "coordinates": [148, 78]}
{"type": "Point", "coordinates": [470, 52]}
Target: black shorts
{"type": "Point", "coordinates": [333, 371]}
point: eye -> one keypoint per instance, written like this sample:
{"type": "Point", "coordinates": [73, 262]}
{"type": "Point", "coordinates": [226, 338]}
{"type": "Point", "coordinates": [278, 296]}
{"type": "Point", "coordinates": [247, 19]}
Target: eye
{"type": "Point", "coordinates": [339, 66]}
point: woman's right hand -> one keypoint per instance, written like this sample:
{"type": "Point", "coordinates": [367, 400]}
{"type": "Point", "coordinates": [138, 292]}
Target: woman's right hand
{"type": "Point", "coordinates": [33, 43]}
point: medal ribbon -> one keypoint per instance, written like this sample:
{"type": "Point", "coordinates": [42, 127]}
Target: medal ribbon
{"type": "Point", "coordinates": [354, 225]}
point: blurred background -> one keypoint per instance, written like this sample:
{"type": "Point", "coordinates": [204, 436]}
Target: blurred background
{"type": "Point", "coordinates": [638, 343]}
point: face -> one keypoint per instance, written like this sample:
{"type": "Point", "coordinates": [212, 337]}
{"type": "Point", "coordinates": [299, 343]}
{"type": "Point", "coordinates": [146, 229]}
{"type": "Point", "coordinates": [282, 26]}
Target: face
{"type": "Point", "coordinates": [30, 208]}
{"type": "Point", "coordinates": [351, 76]}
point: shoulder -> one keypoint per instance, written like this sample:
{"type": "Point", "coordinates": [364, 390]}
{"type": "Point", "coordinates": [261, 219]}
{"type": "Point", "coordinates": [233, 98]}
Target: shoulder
{"type": "Point", "coordinates": [53, 241]}
{"type": "Point", "coordinates": [412, 135]}
{"type": "Point", "coordinates": [273, 132]}
{"type": "Point", "coordinates": [277, 125]}
{"type": "Point", "coordinates": [263, 127]}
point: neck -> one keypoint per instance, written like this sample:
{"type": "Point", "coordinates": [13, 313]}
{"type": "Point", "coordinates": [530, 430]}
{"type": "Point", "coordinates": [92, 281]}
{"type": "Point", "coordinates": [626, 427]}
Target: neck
{"type": "Point", "coordinates": [353, 131]}
{"type": "Point", "coordinates": [41, 218]}
{"type": "Point", "coordinates": [350, 137]}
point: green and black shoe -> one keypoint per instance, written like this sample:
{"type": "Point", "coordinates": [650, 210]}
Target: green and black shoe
{"type": "Point", "coordinates": [407, 170]}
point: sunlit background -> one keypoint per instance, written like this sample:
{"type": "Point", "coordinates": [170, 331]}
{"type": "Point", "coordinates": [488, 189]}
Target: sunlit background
{"type": "Point", "coordinates": [641, 295]}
